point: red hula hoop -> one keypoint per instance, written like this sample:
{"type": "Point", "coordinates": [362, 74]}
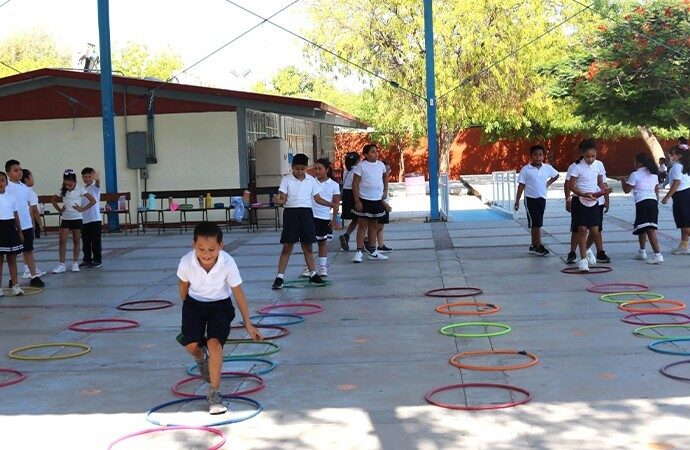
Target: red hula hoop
{"type": "Point", "coordinates": [130, 324]}
{"type": "Point", "coordinates": [478, 407]}
{"type": "Point", "coordinates": [20, 377]}
{"type": "Point", "coordinates": [435, 292]}
{"type": "Point", "coordinates": [262, 384]}
{"type": "Point", "coordinates": [628, 318]}
{"type": "Point", "coordinates": [283, 331]}
{"type": "Point", "coordinates": [614, 288]}
{"type": "Point", "coordinates": [316, 308]}
{"type": "Point", "coordinates": [593, 270]}
{"type": "Point", "coordinates": [215, 431]}
{"type": "Point", "coordinates": [162, 304]}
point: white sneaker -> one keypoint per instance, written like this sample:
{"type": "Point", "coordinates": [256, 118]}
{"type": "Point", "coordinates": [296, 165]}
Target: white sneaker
{"type": "Point", "coordinates": [75, 266]}
{"type": "Point", "coordinates": [323, 271]}
{"type": "Point", "coordinates": [305, 273]}
{"type": "Point", "coordinates": [26, 275]}
{"type": "Point", "coordinates": [358, 257]}
{"type": "Point", "coordinates": [681, 251]}
{"type": "Point", "coordinates": [60, 268]}
{"type": "Point", "coordinates": [656, 259]}
{"type": "Point", "coordinates": [17, 290]}
{"type": "Point", "coordinates": [591, 259]}
{"type": "Point", "coordinates": [376, 255]}
{"type": "Point", "coordinates": [39, 273]}
{"type": "Point", "coordinates": [584, 265]}
{"type": "Point", "coordinates": [641, 254]}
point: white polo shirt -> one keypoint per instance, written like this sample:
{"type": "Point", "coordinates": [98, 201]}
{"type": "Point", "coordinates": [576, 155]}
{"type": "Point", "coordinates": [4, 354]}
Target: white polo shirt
{"type": "Point", "coordinates": [644, 184]}
{"type": "Point", "coordinates": [535, 179]}
{"type": "Point", "coordinates": [329, 188]}
{"type": "Point", "coordinates": [676, 173]}
{"type": "Point", "coordinates": [92, 214]}
{"type": "Point", "coordinates": [348, 175]}
{"type": "Point", "coordinates": [587, 176]}
{"type": "Point", "coordinates": [21, 195]}
{"type": "Point", "coordinates": [213, 285]}
{"type": "Point", "coordinates": [300, 193]}
{"type": "Point", "coordinates": [8, 205]}
{"type": "Point", "coordinates": [371, 182]}
{"type": "Point", "coordinates": [71, 198]}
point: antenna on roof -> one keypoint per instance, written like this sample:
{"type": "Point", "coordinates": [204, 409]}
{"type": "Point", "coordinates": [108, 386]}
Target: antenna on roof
{"type": "Point", "coordinates": [92, 61]}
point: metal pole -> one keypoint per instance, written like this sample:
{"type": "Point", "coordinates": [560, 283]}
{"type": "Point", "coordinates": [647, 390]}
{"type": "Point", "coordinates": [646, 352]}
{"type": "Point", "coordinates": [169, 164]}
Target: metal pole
{"type": "Point", "coordinates": [431, 110]}
{"type": "Point", "coordinates": [109, 155]}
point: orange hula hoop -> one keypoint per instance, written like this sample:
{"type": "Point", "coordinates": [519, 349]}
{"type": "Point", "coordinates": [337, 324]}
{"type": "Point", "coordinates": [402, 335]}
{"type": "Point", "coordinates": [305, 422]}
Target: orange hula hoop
{"type": "Point", "coordinates": [489, 309]}
{"type": "Point", "coordinates": [627, 306]}
{"type": "Point", "coordinates": [455, 360]}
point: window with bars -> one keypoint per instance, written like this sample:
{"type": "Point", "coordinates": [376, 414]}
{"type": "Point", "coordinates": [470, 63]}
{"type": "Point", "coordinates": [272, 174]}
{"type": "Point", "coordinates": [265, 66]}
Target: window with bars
{"type": "Point", "coordinates": [259, 125]}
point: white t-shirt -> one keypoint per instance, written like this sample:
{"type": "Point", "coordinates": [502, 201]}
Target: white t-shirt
{"type": "Point", "coordinates": [535, 179]}
{"type": "Point", "coordinates": [644, 184]}
{"type": "Point", "coordinates": [213, 285]}
{"type": "Point", "coordinates": [33, 197]}
{"type": "Point", "coordinates": [329, 188]}
{"type": "Point", "coordinates": [300, 193]}
{"type": "Point", "coordinates": [676, 173]}
{"type": "Point", "coordinates": [8, 205]}
{"type": "Point", "coordinates": [371, 182]}
{"type": "Point", "coordinates": [92, 214]}
{"type": "Point", "coordinates": [70, 199]}
{"type": "Point", "coordinates": [662, 168]}
{"type": "Point", "coordinates": [587, 179]}
{"type": "Point", "coordinates": [21, 196]}
{"type": "Point", "coordinates": [348, 175]}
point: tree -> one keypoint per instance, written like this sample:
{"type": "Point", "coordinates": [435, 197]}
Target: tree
{"type": "Point", "coordinates": [136, 60]}
{"type": "Point", "coordinates": [29, 51]}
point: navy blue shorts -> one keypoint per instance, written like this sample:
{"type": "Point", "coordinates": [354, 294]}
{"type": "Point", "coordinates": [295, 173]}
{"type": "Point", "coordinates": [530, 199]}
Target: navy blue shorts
{"type": "Point", "coordinates": [206, 320]}
{"type": "Point", "coordinates": [681, 208]}
{"type": "Point", "coordinates": [586, 216]}
{"type": "Point", "coordinates": [298, 226]}
{"type": "Point", "coordinates": [535, 211]}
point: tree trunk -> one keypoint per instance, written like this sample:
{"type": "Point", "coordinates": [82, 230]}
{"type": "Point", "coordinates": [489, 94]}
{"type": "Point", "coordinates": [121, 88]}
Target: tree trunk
{"type": "Point", "coordinates": [401, 163]}
{"type": "Point", "coordinates": [445, 140]}
{"type": "Point", "coordinates": [651, 142]}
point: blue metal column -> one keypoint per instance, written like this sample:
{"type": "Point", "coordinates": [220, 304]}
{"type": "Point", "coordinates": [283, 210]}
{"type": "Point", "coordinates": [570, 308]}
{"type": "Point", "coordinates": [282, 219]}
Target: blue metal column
{"type": "Point", "coordinates": [109, 155]}
{"type": "Point", "coordinates": [431, 110]}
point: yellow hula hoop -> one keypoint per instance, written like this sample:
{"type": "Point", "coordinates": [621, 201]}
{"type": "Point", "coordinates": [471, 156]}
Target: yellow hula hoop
{"type": "Point", "coordinates": [84, 350]}
{"type": "Point", "coordinates": [28, 290]}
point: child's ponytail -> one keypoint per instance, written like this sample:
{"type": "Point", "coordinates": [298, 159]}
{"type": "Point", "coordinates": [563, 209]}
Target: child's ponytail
{"type": "Point", "coordinates": [647, 161]}
{"type": "Point", "coordinates": [68, 175]}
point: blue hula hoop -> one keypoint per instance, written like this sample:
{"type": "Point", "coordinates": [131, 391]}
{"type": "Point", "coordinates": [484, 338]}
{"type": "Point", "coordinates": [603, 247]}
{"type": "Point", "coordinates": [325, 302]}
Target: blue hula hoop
{"type": "Point", "coordinates": [297, 319]}
{"type": "Point", "coordinates": [271, 365]}
{"type": "Point", "coordinates": [259, 408]}
{"type": "Point", "coordinates": [652, 346]}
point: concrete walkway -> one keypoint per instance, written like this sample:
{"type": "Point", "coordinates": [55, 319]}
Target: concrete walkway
{"type": "Point", "coordinates": [355, 376]}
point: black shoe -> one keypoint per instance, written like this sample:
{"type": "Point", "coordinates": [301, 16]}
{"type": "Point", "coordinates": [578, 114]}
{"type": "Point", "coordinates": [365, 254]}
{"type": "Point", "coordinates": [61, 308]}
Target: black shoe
{"type": "Point", "coordinates": [316, 279]}
{"type": "Point", "coordinates": [384, 249]}
{"type": "Point", "coordinates": [277, 284]}
{"type": "Point", "coordinates": [541, 250]}
{"type": "Point", "coordinates": [85, 264]}
{"type": "Point", "coordinates": [602, 258]}
{"type": "Point", "coordinates": [572, 258]}
{"type": "Point", "coordinates": [95, 265]}
{"type": "Point", "coordinates": [533, 249]}
{"type": "Point", "coordinates": [37, 282]}
{"type": "Point", "coordinates": [9, 283]}
{"type": "Point", "coordinates": [344, 242]}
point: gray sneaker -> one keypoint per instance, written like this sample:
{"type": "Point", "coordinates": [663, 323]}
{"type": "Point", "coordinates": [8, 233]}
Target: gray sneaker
{"type": "Point", "coordinates": [203, 367]}
{"type": "Point", "coordinates": [215, 402]}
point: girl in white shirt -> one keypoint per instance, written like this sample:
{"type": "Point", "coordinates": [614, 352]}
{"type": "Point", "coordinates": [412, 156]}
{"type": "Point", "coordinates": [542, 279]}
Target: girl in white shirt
{"type": "Point", "coordinates": [644, 183]}
{"type": "Point", "coordinates": [10, 235]}
{"type": "Point", "coordinates": [351, 160]}
{"type": "Point", "coordinates": [679, 176]}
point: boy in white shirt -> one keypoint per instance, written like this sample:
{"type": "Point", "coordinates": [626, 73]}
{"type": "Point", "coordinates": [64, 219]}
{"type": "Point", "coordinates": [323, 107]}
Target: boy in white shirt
{"type": "Point", "coordinates": [91, 227]}
{"type": "Point", "coordinates": [208, 276]}
{"type": "Point", "coordinates": [534, 180]}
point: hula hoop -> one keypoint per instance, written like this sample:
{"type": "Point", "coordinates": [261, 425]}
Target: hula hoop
{"type": "Point", "coordinates": [593, 270]}
{"type": "Point", "coordinates": [455, 360]}
{"type": "Point", "coordinates": [215, 446]}
{"type": "Point", "coordinates": [505, 329]}
{"type": "Point", "coordinates": [28, 290]}
{"type": "Point", "coordinates": [304, 283]}
{"type": "Point", "coordinates": [262, 384]}
{"type": "Point", "coordinates": [653, 346]}
{"type": "Point", "coordinates": [488, 308]}
{"type": "Point", "coordinates": [271, 365]}
{"type": "Point", "coordinates": [130, 324]}
{"type": "Point", "coordinates": [162, 304]}
{"type": "Point", "coordinates": [275, 348]}
{"type": "Point", "coordinates": [507, 387]}
{"type": "Point", "coordinates": [612, 288]}
{"type": "Point", "coordinates": [198, 397]}
{"type": "Point", "coordinates": [296, 319]}
{"type": "Point", "coordinates": [610, 298]}
{"type": "Point", "coordinates": [628, 318]}
{"type": "Point", "coordinates": [20, 376]}
{"type": "Point", "coordinates": [664, 370]}
{"type": "Point", "coordinates": [13, 353]}
{"type": "Point", "coordinates": [640, 331]}
{"type": "Point", "coordinates": [282, 331]}
{"type": "Point", "coordinates": [316, 308]}
{"type": "Point", "coordinates": [627, 306]}
{"type": "Point", "coordinates": [472, 292]}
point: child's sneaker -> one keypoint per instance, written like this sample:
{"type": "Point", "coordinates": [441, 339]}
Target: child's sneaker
{"type": "Point", "coordinates": [681, 251]}
{"type": "Point", "coordinates": [323, 271]}
{"type": "Point", "coordinates": [316, 279]}
{"type": "Point", "coordinates": [96, 264]}
{"type": "Point", "coordinates": [572, 258]}
{"type": "Point", "coordinates": [376, 255]}
{"type": "Point", "coordinates": [26, 275]}
{"type": "Point", "coordinates": [75, 266]}
{"type": "Point", "coordinates": [656, 259]}
{"type": "Point", "coordinates": [584, 265]}
{"type": "Point", "coordinates": [358, 257]}
{"type": "Point", "coordinates": [85, 264]}
{"type": "Point", "coordinates": [17, 290]}
{"type": "Point", "coordinates": [533, 249]}
{"type": "Point", "coordinates": [215, 402]}
{"type": "Point", "coordinates": [602, 258]}
{"type": "Point", "coordinates": [641, 254]}
{"type": "Point", "coordinates": [202, 364]}
{"type": "Point", "coordinates": [306, 273]}
{"type": "Point", "coordinates": [37, 282]}
{"type": "Point", "coordinates": [60, 268]}
{"type": "Point", "coordinates": [2, 293]}
{"type": "Point", "coordinates": [344, 244]}
{"type": "Point", "coordinates": [385, 249]}
{"type": "Point", "coordinates": [277, 284]}
{"type": "Point", "coordinates": [541, 250]}
{"type": "Point", "coordinates": [591, 259]}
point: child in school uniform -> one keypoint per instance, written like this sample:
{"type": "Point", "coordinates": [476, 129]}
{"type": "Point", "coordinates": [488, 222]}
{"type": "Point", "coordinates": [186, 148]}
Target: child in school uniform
{"type": "Point", "coordinates": [587, 184]}
{"type": "Point", "coordinates": [644, 184]}
{"type": "Point", "coordinates": [28, 181]}
{"type": "Point", "coordinates": [209, 277]}
{"type": "Point", "coordinates": [11, 235]}
{"type": "Point", "coordinates": [534, 180]}
{"type": "Point", "coordinates": [296, 192]}
{"type": "Point", "coordinates": [679, 191]}
{"type": "Point", "coordinates": [91, 227]}
{"type": "Point", "coordinates": [381, 222]}
{"type": "Point", "coordinates": [351, 160]}
{"type": "Point", "coordinates": [71, 211]}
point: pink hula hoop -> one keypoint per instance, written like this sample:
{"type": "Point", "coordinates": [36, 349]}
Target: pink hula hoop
{"type": "Point", "coordinates": [215, 431]}
{"type": "Point", "coordinates": [614, 288]}
{"type": "Point", "coordinates": [262, 384]}
{"type": "Point", "coordinates": [20, 377]}
{"type": "Point", "coordinates": [76, 326]}
{"type": "Point", "coordinates": [316, 308]}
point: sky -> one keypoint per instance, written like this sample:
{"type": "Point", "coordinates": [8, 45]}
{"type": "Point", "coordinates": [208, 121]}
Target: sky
{"type": "Point", "coordinates": [192, 29]}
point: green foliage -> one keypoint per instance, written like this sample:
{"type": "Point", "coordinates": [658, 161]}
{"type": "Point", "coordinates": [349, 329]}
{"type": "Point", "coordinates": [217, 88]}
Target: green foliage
{"type": "Point", "coordinates": [30, 51]}
{"type": "Point", "coordinates": [136, 60]}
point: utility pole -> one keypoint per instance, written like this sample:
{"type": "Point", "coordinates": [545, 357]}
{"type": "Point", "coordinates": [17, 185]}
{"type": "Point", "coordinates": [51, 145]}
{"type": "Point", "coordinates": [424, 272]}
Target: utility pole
{"type": "Point", "coordinates": [431, 110]}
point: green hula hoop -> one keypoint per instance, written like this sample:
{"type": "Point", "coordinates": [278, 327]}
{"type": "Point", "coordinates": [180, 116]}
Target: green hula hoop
{"type": "Point", "coordinates": [612, 298]}
{"type": "Point", "coordinates": [304, 283]}
{"type": "Point", "coordinates": [640, 331]}
{"type": "Point", "coordinates": [274, 348]}
{"type": "Point", "coordinates": [84, 349]}
{"type": "Point", "coordinates": [505, 329]}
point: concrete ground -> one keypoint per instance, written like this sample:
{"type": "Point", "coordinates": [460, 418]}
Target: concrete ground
{"type": "Point", "coordinates": [355, 375]}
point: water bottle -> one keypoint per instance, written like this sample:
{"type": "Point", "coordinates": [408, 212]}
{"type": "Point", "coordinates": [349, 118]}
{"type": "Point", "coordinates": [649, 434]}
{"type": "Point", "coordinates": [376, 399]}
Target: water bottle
{"type": "Point", "coordinates": [151, 202]}
{"type": "Point", "coordinates": [122, 203]}
{"type": "Point", "coordinates": [201, 201]}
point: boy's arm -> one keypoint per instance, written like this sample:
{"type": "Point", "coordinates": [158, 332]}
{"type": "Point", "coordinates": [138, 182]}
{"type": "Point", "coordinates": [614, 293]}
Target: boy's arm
{"type": "Point", "coordinates": [92, 201]}
{"type": "Point", "coordinates": [320, 201]}
{"type": "Point", "coordinates": [552, 180]}
{"type": "Point", "coordinates": [520, 189]}
{"type": "Point", "coordinates": [241, 301]}
{"type": "Point", "coordinates": [35, 214]}
{"type": "Point", "coordinates": [19, 227]}
{"type": "Point", "coordinates": [96, 178]}
{"type": "Point", "coordinates": [280, 199]}
{"type": "Point", "coordinates": [184, 289]}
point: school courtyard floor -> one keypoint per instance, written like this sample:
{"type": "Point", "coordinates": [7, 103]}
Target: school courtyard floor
{"type": "Point", "coordinates": [355, 375]}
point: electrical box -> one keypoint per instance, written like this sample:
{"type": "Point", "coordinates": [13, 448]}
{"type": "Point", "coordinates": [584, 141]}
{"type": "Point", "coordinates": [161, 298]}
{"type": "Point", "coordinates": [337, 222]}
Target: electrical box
{"type": "Point", "coordinates": [136, 150]}
{"type": "Point", "coordinates": [273, 160]}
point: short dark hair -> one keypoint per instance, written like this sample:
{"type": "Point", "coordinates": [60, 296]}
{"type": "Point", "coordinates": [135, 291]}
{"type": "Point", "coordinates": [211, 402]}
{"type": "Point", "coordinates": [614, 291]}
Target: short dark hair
{"type": "Point", "coordinates": [536, 148]}
{"type": "Point", "coordinates": [3, 175]}
{"type": "Point", "coordinates": [10, 163]}
{"type": "Point", "coordinates": [662, 159]}
{"type": "Point", "coordinates": [208, 229]}
{"type": "Point", "coordinates": [367, 148]}
{"type": "Point", "coordinates": [86, 170]}
{"type": "Point", "coordinates": [26, 173]}
{"type": "Point", "coordinates": [300, 159]}
{"type": "Point", "coordinates": [587, 144]}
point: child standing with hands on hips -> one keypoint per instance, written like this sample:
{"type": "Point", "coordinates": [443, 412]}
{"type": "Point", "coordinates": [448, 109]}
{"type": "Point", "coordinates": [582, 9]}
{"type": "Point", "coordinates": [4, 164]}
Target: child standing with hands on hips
{"type": "Point", "coordinates": [679, 191]}
{"type": "Point", "coordinates": [11, 236]}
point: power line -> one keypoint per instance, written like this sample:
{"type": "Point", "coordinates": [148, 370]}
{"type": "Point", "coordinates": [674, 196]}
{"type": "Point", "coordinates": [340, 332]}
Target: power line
{"type": "Point", "coordinates": [5, 3]}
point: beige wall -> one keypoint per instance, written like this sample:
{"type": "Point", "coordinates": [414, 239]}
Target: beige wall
{"type": "Point", "coordinates": [194, 151]}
